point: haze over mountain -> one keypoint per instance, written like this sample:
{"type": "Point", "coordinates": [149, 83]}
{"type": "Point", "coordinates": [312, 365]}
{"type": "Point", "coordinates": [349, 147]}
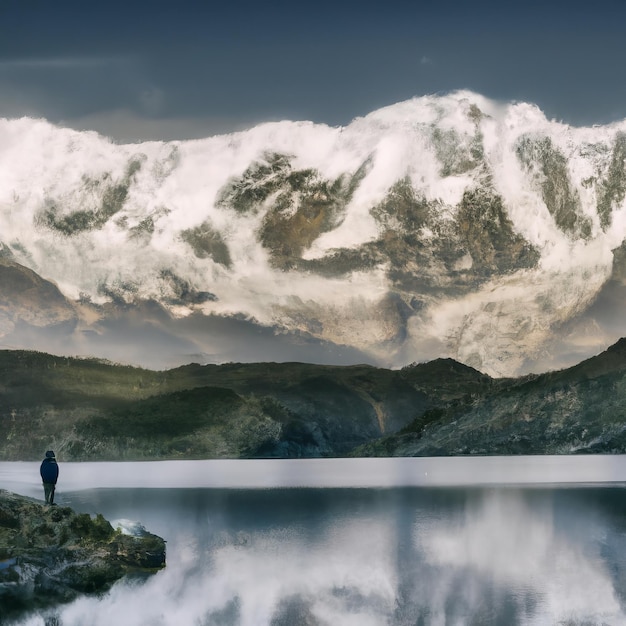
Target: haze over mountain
{"type": "Point", "coordinates": [443, 226]}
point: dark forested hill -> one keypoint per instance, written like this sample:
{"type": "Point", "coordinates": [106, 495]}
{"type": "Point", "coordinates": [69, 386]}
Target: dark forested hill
{"type": "Point", "coordinates": [90, 409]}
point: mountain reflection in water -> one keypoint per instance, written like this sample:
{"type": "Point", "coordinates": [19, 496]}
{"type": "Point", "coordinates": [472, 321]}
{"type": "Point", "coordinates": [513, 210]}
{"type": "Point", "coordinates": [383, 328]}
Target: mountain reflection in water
{"type": "Point", "coordinates": [427, 555]}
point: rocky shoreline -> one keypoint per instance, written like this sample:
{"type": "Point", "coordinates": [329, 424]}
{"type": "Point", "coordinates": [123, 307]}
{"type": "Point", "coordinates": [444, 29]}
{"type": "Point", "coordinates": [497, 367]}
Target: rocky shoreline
{"type": "Point", "coordinates": [50, 555]}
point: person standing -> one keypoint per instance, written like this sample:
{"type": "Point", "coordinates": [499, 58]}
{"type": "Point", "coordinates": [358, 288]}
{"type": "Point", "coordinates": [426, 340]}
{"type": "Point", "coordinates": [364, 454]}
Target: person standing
{"type": "Point", "coordinates": [49, 471]}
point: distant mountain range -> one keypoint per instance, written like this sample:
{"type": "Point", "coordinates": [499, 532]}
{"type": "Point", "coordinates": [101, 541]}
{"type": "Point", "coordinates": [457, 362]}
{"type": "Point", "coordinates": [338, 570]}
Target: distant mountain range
{"type": "Point", "coordinates": [86, 409]}
{"type": "Point", "coordinates": [442, 227]}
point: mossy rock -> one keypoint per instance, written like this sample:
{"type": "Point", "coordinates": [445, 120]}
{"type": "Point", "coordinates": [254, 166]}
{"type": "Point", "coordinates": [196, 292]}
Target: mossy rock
{"type": "Point", "coordinates": [51, 554]}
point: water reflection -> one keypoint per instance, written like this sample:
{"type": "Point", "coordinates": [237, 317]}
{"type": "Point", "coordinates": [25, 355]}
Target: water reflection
{"type": "Point", "coordinates": [422, 552]}
{"type": "Point", "coordinates": [426, 556]}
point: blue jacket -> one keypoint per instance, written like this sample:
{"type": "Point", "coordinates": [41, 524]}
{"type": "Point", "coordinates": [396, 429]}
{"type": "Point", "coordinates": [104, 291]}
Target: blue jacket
{"type": "Point", "coordinates": [49, 471]}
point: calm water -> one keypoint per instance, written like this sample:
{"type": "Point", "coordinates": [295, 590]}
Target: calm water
{"type": "Point", "coordinates": [525, 540]}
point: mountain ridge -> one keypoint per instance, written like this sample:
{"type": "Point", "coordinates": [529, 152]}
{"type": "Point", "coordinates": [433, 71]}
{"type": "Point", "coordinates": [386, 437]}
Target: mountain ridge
{"type": "Point", "coordinates": [86, 409]}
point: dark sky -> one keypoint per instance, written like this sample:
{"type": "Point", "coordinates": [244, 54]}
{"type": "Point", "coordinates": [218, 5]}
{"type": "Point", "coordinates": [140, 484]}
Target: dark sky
{"type": "Point", "coordinates": [181, 69]}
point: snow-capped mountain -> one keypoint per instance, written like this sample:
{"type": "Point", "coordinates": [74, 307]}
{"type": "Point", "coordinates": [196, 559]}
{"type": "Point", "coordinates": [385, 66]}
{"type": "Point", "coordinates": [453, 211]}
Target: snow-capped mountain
{"type": "Point", "coordinates": [441, 226]}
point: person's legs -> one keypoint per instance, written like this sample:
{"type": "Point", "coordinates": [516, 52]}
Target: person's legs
{"type": "Point", "coordinates": [52, 494]}
{"type": "Point", "coordinates": [48, 491]}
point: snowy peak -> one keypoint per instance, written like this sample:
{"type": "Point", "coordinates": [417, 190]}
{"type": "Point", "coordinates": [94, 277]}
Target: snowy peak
{"type": "Point", "coordinates": [441, 226]}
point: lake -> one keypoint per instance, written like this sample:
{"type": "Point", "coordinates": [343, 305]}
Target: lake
{"type": "Point", "coordinates": [435, 541]}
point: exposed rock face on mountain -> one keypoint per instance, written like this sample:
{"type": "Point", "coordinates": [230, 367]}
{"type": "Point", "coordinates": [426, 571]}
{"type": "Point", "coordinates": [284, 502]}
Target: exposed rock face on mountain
{"type": "Point", "coordinates": [28, 300]}
{"type": "Point", "coordinates": [574, 411]}
{"type": "Point", "coordinates": [449, 226]}
{"type": "Point", "coordinates": [50, 554]}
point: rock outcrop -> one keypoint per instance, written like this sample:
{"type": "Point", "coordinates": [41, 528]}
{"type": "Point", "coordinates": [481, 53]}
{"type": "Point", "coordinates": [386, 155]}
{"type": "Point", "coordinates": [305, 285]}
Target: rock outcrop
{"type": "Point", "coordinates": [51, 554]}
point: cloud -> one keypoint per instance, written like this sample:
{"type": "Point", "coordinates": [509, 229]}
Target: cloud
{"type": "Point", "coordinates": [57, 87]}
{"type": "Point", "coordinates": [125, 126]}
{"type": "Point", "coordinates": [58, 63]}
{"type": "Point", "coordinates": [426, 61]}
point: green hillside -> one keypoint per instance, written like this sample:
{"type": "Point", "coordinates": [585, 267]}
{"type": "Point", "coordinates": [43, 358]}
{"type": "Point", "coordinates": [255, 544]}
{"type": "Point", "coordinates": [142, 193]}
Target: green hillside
{"type": "Point", "coordinates": [93, 410]}
{"type": "Point", "coordinates": [90, 409]}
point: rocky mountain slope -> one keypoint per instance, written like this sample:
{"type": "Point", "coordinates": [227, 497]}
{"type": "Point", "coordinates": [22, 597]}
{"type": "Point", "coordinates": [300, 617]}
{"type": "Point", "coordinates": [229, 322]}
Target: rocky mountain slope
{"type": "Point", "coordinates": [574, 411]}
{"type": "Point", "coordinates": [444, 226]}
{"type": "Point", "coordinates": [90, 410]}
